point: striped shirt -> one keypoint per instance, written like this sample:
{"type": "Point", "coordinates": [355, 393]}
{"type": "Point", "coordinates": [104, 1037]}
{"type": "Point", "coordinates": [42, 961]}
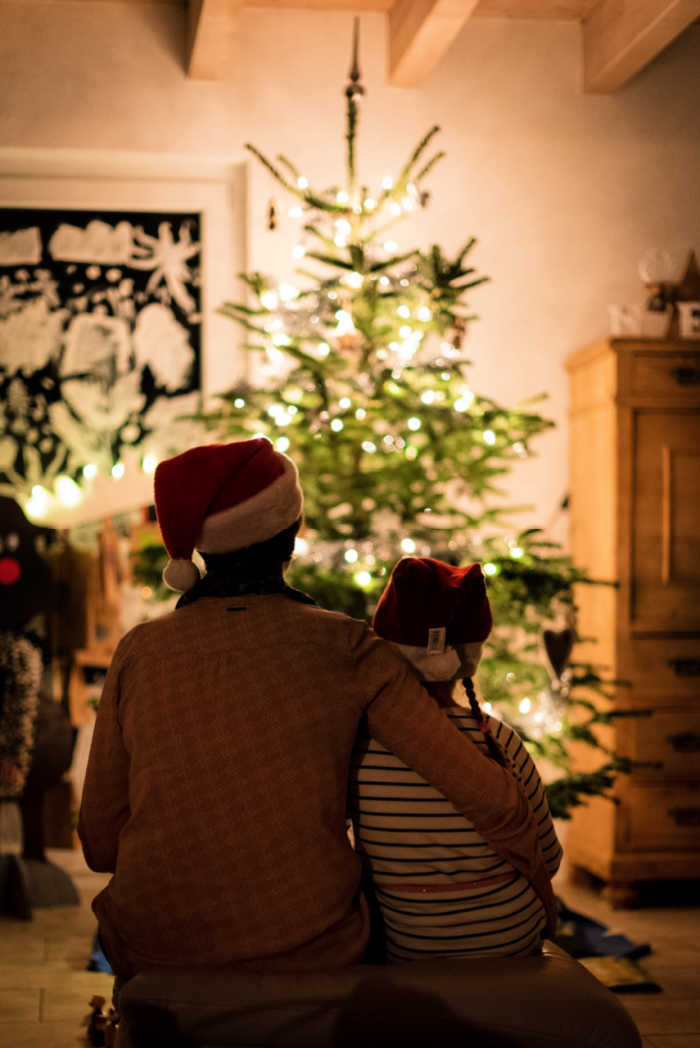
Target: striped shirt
{"type": "Point", "coordinates": [442, 890]}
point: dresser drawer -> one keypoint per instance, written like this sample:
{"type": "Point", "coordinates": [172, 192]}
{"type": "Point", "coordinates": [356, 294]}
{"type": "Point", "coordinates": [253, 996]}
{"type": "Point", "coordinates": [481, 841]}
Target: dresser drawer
{"type": "Point", "coordinates": [661, 374]}
{"type": "Point", "coordinates": [667, 740]}
{"type": "Point", "coordinates": [663, 817]}
{"type": "Point", "coordinates": [666, 667]}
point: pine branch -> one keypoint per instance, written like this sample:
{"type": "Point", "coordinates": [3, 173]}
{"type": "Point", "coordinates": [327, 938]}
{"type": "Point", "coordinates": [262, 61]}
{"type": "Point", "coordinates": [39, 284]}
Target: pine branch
{"type": "Point", "coordinates": [417, 153]}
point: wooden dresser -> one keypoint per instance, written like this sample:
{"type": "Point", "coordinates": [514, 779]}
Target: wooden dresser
{"type": "Point", "coordinates": [635, 502]}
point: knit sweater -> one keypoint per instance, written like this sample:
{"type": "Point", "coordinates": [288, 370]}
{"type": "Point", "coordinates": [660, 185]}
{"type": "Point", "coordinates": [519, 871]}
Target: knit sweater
{"type": "Point", "coordinates": [217, 781]}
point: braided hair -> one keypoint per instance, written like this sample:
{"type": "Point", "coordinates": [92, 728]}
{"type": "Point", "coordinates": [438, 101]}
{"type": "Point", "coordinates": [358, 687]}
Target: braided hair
{"type": "Point", "coordinates": [494, 749]}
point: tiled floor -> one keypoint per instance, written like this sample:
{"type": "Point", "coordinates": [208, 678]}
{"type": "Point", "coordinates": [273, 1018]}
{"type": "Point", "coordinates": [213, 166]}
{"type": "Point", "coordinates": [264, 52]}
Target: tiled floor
{"type": "Point", "coordinates": [45, 990]}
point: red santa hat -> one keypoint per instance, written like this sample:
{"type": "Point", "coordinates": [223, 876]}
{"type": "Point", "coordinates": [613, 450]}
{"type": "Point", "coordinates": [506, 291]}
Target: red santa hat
{"type": "Point", "coordinates": [437, 615]}
{"type": "Point", "coordinates": [222, 497]}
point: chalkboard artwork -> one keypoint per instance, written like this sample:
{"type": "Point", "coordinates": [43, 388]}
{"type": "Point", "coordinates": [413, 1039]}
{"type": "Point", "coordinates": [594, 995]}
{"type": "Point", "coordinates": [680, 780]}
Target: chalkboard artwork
{"type": "Point", "coordinates": [100, 338]}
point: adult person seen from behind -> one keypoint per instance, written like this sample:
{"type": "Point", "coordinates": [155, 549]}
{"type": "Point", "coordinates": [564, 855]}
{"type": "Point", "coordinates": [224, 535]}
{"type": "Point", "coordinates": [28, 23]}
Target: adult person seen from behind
{"type": "Point", "coordinates": [441, 889]}
{"type": "Point", "coordinates": [217, 781]}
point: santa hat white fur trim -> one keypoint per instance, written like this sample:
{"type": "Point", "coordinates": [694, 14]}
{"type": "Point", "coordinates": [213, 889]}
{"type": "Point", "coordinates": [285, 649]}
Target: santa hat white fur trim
{"type": "Point", "coordinates": [256, 519]}
{"type": "Point", "coordinates": [453, 663]}
{"type": "Point", "coordinates": [180, 574]}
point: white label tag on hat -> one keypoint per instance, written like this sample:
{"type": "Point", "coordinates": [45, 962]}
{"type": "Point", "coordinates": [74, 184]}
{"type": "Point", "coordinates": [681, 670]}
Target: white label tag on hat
{"type": "Point", "coordinates": [436, 640]}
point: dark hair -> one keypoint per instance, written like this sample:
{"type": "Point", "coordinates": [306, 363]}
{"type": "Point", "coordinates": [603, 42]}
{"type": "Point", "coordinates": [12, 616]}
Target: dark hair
{"type": "Point", "coordinates": [493, 747]}
{"type": "Point", "coordinates": [260, 559]}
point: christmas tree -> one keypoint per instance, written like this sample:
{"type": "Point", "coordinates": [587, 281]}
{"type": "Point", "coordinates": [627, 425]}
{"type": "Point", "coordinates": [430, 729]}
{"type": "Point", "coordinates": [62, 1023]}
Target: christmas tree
{"type": "Point", "coordinates": [361, 376]}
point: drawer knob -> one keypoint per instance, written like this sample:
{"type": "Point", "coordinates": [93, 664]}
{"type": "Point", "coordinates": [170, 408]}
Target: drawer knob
{"type": "Point", "coordinates": [684, 742]}
{"type": "Point", "coordinates": [686, 376]}
{"type": "Point", "coordinates": [685, 816]}
{"type": "Point", "coordinates": [685, 667]}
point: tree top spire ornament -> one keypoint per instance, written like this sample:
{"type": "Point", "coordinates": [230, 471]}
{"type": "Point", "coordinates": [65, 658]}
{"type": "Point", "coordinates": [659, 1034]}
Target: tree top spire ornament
{"type": "Point", "coordinates": [353, 93]}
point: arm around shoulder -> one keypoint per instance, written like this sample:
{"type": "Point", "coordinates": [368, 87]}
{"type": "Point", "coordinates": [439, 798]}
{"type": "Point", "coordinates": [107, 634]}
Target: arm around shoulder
{"type": "Point", "coordinates": [404, 718]}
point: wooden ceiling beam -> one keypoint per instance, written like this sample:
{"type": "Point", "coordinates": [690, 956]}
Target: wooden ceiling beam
{"type": "Point", "coordinates": [420, 32]}
{"type": "Point", "coordinates": [210, 28]}
{"type": "Point", "coordinates": [620, 37]}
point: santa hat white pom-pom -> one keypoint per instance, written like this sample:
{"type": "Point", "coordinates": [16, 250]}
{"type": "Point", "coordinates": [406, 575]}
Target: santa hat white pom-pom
{"type": "Point", "coordinates": [180, 574]}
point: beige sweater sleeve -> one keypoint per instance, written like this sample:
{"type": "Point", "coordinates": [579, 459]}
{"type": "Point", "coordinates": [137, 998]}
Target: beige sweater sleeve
{"type": "Point", "coordinates": [104, 808]}
{"type": "Point", "coordinates": [404, 718]}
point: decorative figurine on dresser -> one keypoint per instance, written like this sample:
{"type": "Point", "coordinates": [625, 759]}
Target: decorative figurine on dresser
{"type": "Point", "coordinates": [635, 495]}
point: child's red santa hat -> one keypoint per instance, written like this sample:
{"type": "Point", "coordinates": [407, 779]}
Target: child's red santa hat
{"type": "Point", "coordinates": [437, 615]}
{"type": "Point", "coordinates": [222, 497]}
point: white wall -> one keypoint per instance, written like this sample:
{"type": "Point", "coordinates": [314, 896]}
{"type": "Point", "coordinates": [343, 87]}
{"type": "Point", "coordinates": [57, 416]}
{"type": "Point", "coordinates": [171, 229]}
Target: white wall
{"type": "Point", "coordinates": [564, 190]}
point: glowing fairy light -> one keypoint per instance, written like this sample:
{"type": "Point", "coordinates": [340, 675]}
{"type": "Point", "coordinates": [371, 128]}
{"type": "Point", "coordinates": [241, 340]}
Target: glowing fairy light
{"type": "Point", "coordinates": [269, 299]}
{"type": "Point", "coordinates": [282, 443]}
{"type": "Point", "coordinates": [525, 705]}
{"type": "Point", "coordinates": [354, 279]}
{"type": "Point", "coordinates": [299, 251]}
{"type": "Point", "coordinates": [390, 246]}
{"type": "Point", "coordinates": [369, 204]}
{"type": "Point", "coordinates": [323, 349]}
{"type": "Point", "coordinates": [38, 504]}
{"type": "Point", "coordinates": [337, 425]}
{"type": "Point", "coordinates": [280, 338]}
{"type": "Point", "coordinates": [428, 397]}
{"type": "Point", "coordinates": [404, 311]}
{"type": "Point", "coordinates": [351, 555]}
{"type": "Point", "coordinates": [395, 208]}
{"type": "Point", "coordinates": [345, 324]}
{"type": "Point", "coordinates": [465, 401]}
{"type": "Point", "coordinates": [490, 568]}
{"type": "Point", "coordinates": [149, 464]}
{"type": "Point", "coordinates": [424, 314]}
{"type": "Point", "coordinates": [489, 436]}
{"type": "Point", "coordinates": [407, 203]}
{"type": "Point", "coordinates": [408, 546]}
{"type": "Point", "coordinates": [360, 414]}
{"type": "Point", "coordinates": [516, 552]}
{"type": "Point", "coordinates": [363, 578]}
{"type": "Point", "coordinates": [342, 227]}
{"type": "Point", "coordinates": [288, 292]}
{"type": "Point", "coordinates": [342, 197]}
{"type": "Point", "coordinates": [387, 182]}
{"type": "Point", "coordinates": [295, 212]}
{"type": "Point", "coordinates": [90, 471]}
{"type": "Point", "coordinates": [344, 403]}
{"type": "Point", "coordinates": [405, 331]}
{"type": "Point", "coordinates": [414, 423]}
{"type": "Point", "coordinates": [118, 470]}
{"type": "Point", "coordinates": [239, 402]}
{"type": "Point", "coordinates": [487, 707]}
{"type": "Point", "coordinates": [369, 447]}
{"type": "Point", "coordinates": [384, 281]}
{"type": "Point", "coordinates": [302, 182]}
{"type": "Point", "coordinates": [301, 546]}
